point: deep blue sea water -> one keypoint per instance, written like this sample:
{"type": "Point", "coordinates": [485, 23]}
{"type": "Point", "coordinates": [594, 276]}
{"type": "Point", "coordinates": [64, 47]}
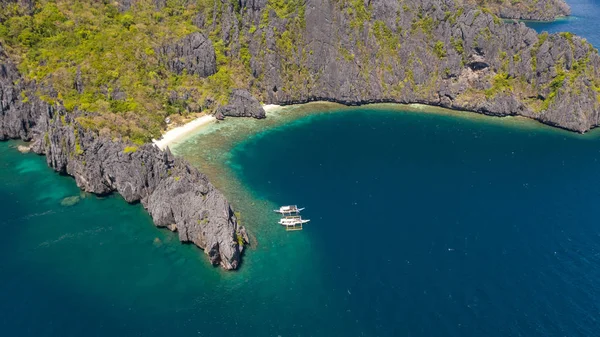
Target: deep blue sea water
{"type": "Point", "coordinates": [439, 226]}
{"type": "Point", "coordinates": [584, 21]}
{"type": "Point", "coordinates": [422, 225]}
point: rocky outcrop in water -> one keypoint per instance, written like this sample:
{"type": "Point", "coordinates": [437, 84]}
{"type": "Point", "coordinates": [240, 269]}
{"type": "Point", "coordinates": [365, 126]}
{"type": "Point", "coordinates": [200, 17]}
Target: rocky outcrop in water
{"type": "Point", "coordinates": [241, 104]}
{"type": "Point", "coordinates": [175, 194]}
{"type": "Point", "coordinates": [194, 54]}
{"type": "Point", "coordinates": [423, 51]}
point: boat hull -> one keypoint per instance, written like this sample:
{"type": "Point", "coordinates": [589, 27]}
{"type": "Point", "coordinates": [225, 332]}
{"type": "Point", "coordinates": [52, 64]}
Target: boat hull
{"type": "Point", "coordinates": [291, 210]}
{"type": "Point", "coordinates": [293, 223]}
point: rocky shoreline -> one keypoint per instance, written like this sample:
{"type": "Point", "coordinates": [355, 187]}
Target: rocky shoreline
{"type": "Point", "coordinates": [458, 59]}
{"type": "Point", "coordinates": [428, 51]}
{"type": "Point", "coordinates": [175, 194]}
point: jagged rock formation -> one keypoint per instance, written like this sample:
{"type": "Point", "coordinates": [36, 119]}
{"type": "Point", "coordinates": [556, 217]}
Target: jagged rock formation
{"type": "Point", "coordinates": [241, 104]}
{"type": "Point", "coordinates": [194, 53]}
{"type": "Point", "coordinates": [171, 190]}
{"type": "Point", "coordinates": [18, 112]}
{"type": "Point", "coordinates": [437, 52]}
{"type": "Point", "coordinates": [542, 10]}
{"type": "Point", "coordinates": [423, 51]}
{"type": "Point", "coordinates": [175, 194]}
{"type": "Point", "coordinates": [125, 4]}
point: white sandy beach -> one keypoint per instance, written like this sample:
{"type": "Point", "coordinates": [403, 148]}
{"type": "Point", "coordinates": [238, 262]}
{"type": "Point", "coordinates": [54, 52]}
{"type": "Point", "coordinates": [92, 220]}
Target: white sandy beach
{"type": "Point", "coordinates": [180, 132]}
{"type": "Point", "coordinates": [271, 107]}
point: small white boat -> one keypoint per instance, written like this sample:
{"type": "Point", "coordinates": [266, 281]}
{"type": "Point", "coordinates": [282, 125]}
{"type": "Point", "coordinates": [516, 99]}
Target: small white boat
{"type": "Point", "coordinates": [288, 209]}
{"type": "Point", "coordinates": [292, 221]}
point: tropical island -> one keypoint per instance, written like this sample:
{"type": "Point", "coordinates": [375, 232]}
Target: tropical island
{"type": "Point", "coordinates": [90, 84]}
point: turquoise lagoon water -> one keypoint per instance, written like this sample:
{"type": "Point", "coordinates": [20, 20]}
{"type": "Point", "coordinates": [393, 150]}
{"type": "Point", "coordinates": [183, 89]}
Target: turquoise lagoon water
{"type": "Point", "coordinates": [434, 225]}
{"type": "Point", "coordinates": [423, 224]}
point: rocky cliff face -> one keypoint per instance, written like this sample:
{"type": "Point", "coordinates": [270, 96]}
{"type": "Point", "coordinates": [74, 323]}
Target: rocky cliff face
{"type": "Point", "coordinates": [423, 51]}
{"type": "Point", "coordinates": [541, 10]}
{"type": "Point", "coordinates": [194, 54]}
{"type": "Point", "coordinates": [241, 104]}
{"type": "Point", "coordinates": [175, 194]}
{"type": "Point", "coordinates": [18, 111]}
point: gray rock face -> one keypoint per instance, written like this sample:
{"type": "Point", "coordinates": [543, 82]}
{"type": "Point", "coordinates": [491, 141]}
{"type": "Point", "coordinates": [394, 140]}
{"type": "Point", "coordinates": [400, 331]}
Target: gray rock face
{"type": "Point", "coordinates": [28, 5]}
{"type": "Point", "coordinates": [175, 194]}
{"type": "Point", "coordinates": [241, 104]}
{"type": "Point", "coordinates": [542, 10]}
{"type": "Point", "coordinates": [424, 51]}
{"type": "Point", "coordinates": [124, 5]}
{"type": "Point", "coordinates": [19, 108]}
{"type": "Point", "coordinates": [194, 53]}
{"type": "Point", "coordinates": [171, 190]}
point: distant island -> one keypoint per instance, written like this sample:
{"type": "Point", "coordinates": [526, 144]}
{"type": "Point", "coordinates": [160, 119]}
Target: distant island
{"type": "Point", "coordinates": [90, 84]}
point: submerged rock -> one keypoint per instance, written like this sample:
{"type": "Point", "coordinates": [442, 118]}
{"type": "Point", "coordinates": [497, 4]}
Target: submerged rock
{"type": "Point", "coordinates": [70, 201]}
{"type": "Point", "coordinates": [24, 149]}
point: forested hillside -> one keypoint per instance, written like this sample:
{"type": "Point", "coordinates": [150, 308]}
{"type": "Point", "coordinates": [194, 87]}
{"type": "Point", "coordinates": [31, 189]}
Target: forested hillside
{"type": "Point", "coordinates": [125, 66]}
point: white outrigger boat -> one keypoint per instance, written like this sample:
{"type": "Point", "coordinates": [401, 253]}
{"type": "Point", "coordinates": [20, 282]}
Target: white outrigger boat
{"type": "Point", "coordinates": [288, 209]}
{"type": "Point", "coordinates": [291, 217]}
{"type": "Point", "coordinates": [293, 223]}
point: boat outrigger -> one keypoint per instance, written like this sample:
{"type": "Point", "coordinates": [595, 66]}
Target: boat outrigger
{"type": "Point", "coordinates": [291, 217]}
{"type": "Point", "coordinates": [293, 223]}
{"type": "Point", "coordinates": [291, 209]}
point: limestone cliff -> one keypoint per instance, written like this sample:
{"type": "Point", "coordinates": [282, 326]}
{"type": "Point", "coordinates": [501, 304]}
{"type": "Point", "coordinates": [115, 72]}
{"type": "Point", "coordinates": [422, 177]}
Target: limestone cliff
{"type": "Point", "coordinates": [175, 194]}
{"type": "Point", "coordinates": [18, 113]}
{"type": "Point", "coordinates": [241, 104]}
{"type": "Point", "coordinates": [423, 51]}
{"type": "Point", "coordinates": [194, 54]}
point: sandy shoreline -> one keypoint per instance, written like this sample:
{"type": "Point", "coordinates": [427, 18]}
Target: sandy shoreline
{"type": "Point", "coordinates": [181, 132]}
{"type": "Point", "coordinates": [189, 129]}
{"type": "Point", "coordinates": [271, 107]}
